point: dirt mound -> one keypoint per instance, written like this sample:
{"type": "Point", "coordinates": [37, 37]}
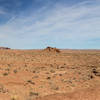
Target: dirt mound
{"type": "Point", "coordinates": [51, 49]}
{"type": "Point", "coordinates": [2, 48]}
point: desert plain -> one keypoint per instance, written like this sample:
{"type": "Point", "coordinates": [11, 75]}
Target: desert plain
{"type": "Point", "coordinates": [49, 74]}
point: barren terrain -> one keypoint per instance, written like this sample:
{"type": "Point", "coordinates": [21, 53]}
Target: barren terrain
{"type": "Point", "coordinates": [49, 74]}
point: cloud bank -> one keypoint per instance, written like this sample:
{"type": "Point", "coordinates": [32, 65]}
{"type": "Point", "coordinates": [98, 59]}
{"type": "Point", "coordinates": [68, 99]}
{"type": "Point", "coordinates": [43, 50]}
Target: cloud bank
{"type": "Point", "coordinates": [63, 26]}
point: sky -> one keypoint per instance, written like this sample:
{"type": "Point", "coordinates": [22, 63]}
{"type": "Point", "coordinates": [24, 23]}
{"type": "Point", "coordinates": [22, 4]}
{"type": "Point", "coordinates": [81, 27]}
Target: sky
{"type": "Point", "coordinates": [36, 24]}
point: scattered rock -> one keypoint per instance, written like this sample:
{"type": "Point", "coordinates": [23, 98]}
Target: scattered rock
{"type": "Point", "coordinates": [96, 71]}
{"type": "Point", "coordinates": [30, 81]}
{"type": "Point", "coordinates": [48, 78]}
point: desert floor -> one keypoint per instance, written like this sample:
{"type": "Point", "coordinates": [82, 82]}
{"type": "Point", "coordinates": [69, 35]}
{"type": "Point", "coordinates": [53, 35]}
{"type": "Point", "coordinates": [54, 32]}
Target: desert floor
{"type": "Point", "coordinates": [44, 75]}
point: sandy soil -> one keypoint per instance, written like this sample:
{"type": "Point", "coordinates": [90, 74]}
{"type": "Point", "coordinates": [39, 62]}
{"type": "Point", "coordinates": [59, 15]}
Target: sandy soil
{"type": "Point", "coordinates": [44, 75]}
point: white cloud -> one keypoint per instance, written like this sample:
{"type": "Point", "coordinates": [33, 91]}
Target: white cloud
{"type": "Point", "coordinates": [79, 22]}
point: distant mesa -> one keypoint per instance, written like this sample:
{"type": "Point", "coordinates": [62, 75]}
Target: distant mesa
{"type": "Point", "coordinates": [4, 48]}
{"type": "Point", "coordinates": [51, 49]}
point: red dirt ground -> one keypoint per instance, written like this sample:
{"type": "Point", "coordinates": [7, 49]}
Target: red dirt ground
{"type": "Point", "coordinates": [49, 75]}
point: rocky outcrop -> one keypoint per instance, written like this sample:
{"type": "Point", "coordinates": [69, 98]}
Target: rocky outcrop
{"type": "Point", "coordinates": [51, 49]}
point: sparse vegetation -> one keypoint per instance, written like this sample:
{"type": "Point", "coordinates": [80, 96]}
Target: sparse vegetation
{"type": "Point", "coordinates": [33, 94]}
{"type": "Point", "coordinates": [14, 97]}
{"type": "Point", "coordinates": [15, 71]}
{"type": "Point", "coordinates": [35, 73]}
{"type": "Point", "coordinates": [5, 74]}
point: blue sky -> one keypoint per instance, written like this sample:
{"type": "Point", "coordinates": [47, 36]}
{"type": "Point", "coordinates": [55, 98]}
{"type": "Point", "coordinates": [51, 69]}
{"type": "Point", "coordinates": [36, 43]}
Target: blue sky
{"type": "Point", "coordinates": [29, 24]}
